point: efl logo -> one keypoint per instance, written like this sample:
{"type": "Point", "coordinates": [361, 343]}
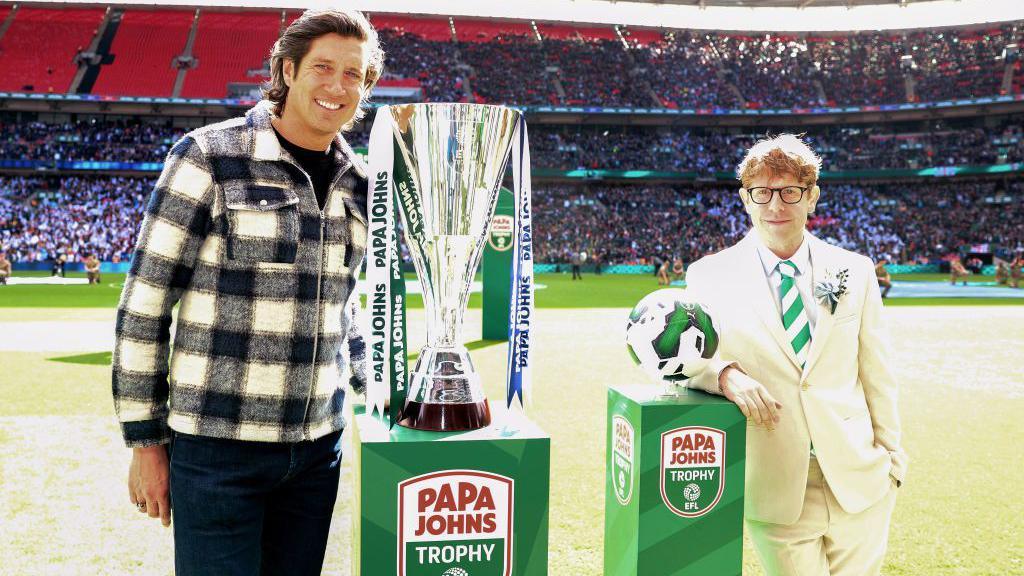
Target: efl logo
{"type": "Point", "coordinates": [621, 466]}
{"type": "Point", "coordinates": [692, 469]}
{"type": "Point", "coordinates": [455, 522]}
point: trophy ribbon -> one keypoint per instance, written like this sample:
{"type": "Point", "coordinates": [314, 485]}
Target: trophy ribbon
{"type": "Point", "coordinates": [521, 312]}
{"type": "Point", "coordinates": [386, 294]}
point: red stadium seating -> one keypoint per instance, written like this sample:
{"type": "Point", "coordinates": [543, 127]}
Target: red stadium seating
{"type": "Point", "coordinates": [644, 37]}
{"type": "Point", "coordinates": [430, 28]}
{"type": "Point", "coordinates": [227, 46]}
{"type": "Point", "coordinates": [561, 32]}
{"type": "Point", "coordinates": [467, 30]}
{"type": "Point", "coordinates": [143, 49]}
{"type": "Point", "coordinates": [39, 48]}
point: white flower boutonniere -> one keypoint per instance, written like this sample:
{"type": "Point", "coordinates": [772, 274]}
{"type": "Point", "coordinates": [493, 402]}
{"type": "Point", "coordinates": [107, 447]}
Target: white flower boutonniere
{"type": "Point", "coordinates": [829, 290]}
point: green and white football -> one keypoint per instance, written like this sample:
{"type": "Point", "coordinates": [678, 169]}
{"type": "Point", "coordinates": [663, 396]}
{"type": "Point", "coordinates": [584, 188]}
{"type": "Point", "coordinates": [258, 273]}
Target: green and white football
{"type": "Point", "coordinates": [671, 336]}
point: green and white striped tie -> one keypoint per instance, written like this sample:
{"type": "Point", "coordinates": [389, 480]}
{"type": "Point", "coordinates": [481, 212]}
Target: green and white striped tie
{"type": "Point", "coordinates": [794, 317]}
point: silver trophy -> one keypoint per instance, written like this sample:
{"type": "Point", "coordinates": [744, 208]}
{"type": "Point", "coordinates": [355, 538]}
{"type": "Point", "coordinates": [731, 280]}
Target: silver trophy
{"type": "Point", "coordinates": [449, 163]}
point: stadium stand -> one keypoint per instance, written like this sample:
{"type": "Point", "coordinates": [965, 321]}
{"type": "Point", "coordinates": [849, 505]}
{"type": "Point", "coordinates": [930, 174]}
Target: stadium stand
{"type": "Point", "coordinates": [40, 218]}
{"type": "Point", "coordinates": [431, 62]}
{"type": "Point", "coordinates": [583, 33]}
{"type": "Point", "coordinates": [229, 45]}
{"type": "Point", "coordinates": [108, 140]}
{"type": "Point", "coordinates": [908, 222]}
{"type": "Point", "coordinates": [952, 64]}
{"type": "Point", "coordinates": [473, 30]}
{"type": "Point", "coordinates": [542, 65]}
{"type": "Point", "coordinates": [682, 71]}
{"type": "Point", "coordinates": [144, 48]}
{"type": "Point", "coordinates": [909, 218]}
{"type": "Point", "coordinates": [435, 29]}
{"type": "Point", "coordinates": [704, 151]}
{"type": "Point", "coordinates": [63, 32]}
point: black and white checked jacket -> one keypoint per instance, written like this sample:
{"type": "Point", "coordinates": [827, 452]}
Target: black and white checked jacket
{"type": "Point", "coordinates": [266, 336]}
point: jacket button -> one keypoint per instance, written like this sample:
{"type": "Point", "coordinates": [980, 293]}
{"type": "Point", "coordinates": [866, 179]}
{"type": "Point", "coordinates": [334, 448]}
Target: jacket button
{"type": "Point", "coordinates": [804, 386]}
{"type": "Point", "coordinates": [263, 202]}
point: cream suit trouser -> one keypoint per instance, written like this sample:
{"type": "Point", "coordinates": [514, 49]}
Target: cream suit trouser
{"type": "Point", "coordinates": [826, 540]}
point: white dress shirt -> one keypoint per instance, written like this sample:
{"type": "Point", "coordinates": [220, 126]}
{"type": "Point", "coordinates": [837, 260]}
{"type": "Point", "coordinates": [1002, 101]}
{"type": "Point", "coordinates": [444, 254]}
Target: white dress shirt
{"type": "Point", "coordinates": [802, 260]}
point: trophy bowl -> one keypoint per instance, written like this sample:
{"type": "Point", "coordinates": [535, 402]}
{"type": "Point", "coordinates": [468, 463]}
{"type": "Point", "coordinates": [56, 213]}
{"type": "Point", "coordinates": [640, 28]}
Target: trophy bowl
{"type": "Point", "coordinates": [449, 161]}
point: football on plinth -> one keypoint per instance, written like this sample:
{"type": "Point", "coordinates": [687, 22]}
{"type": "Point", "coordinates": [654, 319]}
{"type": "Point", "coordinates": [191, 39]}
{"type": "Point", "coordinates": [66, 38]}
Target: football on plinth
{"type": "Point", "coordinates": [671, 336]}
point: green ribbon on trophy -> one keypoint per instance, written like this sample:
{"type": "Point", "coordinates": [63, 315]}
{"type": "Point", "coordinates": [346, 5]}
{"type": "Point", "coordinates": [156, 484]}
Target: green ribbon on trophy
{"type": "Point", "coordinates": [439, 167]}
{"type": "Point", "coordinates": [387, 355]}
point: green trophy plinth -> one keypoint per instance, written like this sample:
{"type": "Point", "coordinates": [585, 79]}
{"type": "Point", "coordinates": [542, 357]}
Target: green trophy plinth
{"type": "Point", "coordinates": [451, 503]}
{"type": "Point", "coordinates": [674, 495]}
{"type": "Point", "coordinates": [497, 268]}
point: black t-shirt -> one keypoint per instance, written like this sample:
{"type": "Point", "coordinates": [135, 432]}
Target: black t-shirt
{"type": "Point", "coordinates": [318, 164]}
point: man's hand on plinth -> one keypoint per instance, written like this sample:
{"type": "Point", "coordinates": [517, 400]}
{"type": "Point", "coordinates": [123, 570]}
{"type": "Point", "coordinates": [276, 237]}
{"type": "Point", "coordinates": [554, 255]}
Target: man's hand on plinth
{"type": "Point", "coordinates": [752, 398]}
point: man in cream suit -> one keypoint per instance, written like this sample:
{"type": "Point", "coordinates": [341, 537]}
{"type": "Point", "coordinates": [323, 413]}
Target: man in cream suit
{"type": "Point", "coordinates": [824, 459]}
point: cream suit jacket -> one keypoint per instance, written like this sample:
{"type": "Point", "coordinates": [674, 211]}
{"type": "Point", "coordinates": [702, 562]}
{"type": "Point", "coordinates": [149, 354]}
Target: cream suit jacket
{"type": "Point", "coordinates": [844, 400]}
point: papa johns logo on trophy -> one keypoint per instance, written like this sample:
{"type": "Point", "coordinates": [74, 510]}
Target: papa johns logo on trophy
{"type": "Point", "coordinates": [622, 467]}
{"type": "Point", "coordinates": [692, 469]}
{"type": "Point", "coordinates": [500, 236]}
{"type": "Point", "coordinates": [455, 523]}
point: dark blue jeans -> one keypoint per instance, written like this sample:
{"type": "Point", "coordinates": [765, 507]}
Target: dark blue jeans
{"type": "Point", "coordinates": [252, 508]}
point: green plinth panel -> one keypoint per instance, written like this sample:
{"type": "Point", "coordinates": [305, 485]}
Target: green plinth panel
{"type": "Point", "coordinates": [674, 494]}
{"type": "Point", "coordinates": [496, 268]}
{"type": "Point", "coordinates": [451, 504]}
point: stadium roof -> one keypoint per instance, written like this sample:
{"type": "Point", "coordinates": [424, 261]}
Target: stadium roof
{"type": "Point", "coordinates": [735, 15]}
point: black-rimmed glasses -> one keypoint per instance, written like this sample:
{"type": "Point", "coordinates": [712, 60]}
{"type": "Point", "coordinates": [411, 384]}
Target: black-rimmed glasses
{"type": "Point", "coordinates": [788, 194]}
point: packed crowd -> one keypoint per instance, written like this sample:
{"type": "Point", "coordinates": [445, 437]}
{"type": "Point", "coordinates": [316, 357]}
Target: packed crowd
{"type": "Point", "coordinates": [699, 150]}
{"type": "Point", "coordinates": [41, 218]}
{"type": "Point", "coordinates": [707, 151]}
{"type": "Point", "coordinates": [684, 72]}
{"type": "Point", "coordinates": [686, 69]}
{"type": "Point", "coordinates": [522, 77]}
{"type": "Point", "coordinates": [950, 64]}
{"type": "Point", "coordinates": [905, 223]}
{"type": "Point", "coordinates": [120, 140]}
{"type": "Point", "coordinates": [430, 62]}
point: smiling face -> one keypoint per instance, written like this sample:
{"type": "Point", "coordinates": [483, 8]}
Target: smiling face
{"type": "Point", "coordinates": [780, 225]}
{"type": "Point", "coordinates": [324, 90]}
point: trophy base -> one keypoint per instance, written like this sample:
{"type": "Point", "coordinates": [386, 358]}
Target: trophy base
{"type": "Point", "coordinates": [446, 417]}
{"type": "Point", "coordinates": [445, 393]}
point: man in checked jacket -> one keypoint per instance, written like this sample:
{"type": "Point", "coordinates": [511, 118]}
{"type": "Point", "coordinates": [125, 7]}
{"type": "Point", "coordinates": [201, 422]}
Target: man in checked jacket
{"type": "Point", "coordinates": [257, 226]}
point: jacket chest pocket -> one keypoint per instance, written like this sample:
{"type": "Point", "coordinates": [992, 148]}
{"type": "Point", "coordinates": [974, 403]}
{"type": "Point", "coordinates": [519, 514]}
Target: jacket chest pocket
{"type": "Point", "coordinates": [263, 223]}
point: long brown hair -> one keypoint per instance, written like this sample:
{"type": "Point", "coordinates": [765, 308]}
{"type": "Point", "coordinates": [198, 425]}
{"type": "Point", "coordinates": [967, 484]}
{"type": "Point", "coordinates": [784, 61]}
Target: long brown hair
{"type": "Point", "coordinates": [295, 42]}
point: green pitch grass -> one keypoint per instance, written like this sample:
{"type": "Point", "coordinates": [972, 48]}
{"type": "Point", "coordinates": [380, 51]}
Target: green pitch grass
{"type": "Point", "coordinates": [64, 507]}
{"type": "Point", "coordinates": [560, 291]}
